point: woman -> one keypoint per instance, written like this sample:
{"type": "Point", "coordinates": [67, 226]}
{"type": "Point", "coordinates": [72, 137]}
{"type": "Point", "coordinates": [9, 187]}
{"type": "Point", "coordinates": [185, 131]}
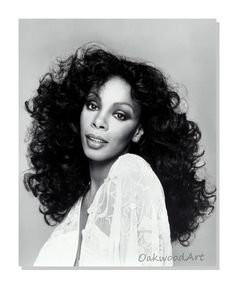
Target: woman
{"type": "Point", "coordinates": [108, 136]}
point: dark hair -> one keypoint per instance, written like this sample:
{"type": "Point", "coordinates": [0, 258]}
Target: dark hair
{"type": "Point", "coordinates": [170, 143]}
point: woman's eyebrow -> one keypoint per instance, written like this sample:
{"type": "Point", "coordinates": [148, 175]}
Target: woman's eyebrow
{"type": "Point", "coordinates": [94, 94]}
{"type": "Point", "coordinates": [124, 103]}
{"type": "Point", "coordinates": [116, 104]}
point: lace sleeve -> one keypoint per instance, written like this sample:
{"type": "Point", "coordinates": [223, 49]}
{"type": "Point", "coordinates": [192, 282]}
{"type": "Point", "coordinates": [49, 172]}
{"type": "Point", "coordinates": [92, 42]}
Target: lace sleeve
{"type": "Point", "coordinates": [131, 216]}
{"type": "Point", "coordinates": [144, 226]}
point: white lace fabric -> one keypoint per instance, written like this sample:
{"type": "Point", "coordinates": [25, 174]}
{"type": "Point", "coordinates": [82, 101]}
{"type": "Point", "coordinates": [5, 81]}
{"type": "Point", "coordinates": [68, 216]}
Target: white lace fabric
{"type": "Point", "coordinates": [127, 223]}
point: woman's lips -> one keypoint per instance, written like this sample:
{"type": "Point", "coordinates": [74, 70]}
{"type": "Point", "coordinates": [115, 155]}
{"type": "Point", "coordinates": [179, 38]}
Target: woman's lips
{"type": "Point", "coordinates": [95, 142]}
{"type": "Point", "coordinates": [96, 138]}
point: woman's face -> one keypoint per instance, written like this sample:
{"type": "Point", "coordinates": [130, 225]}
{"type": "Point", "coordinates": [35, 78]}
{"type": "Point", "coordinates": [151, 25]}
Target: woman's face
{"type": "Point", "coordinates": [109, 121]}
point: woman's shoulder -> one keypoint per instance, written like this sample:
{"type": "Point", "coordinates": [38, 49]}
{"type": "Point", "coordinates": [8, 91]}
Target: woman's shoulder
{"type": "Point", "coordinates": [133, 158]}
{"type": "Point", "coordinates": [131, 162]}
{"type": "Point", "coordinates": [134, 176]}
{"type": "Point", "coordinates": [68, 224]}
{"type": "Point", "coordinates": [134, 168]}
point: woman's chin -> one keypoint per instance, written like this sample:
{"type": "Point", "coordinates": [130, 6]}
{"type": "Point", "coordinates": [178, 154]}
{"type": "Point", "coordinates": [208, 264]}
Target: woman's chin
{"type": "Point", "coordinates": [97, 155]}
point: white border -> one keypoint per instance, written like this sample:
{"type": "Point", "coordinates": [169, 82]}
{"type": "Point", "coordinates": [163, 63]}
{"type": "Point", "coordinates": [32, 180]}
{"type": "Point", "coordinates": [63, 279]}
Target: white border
{"type": "Point", "coordinates": [224, 13]}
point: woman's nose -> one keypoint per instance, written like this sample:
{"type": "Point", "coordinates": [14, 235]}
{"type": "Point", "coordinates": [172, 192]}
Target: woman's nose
{"type": "Point", "coordinates": [99, 122]}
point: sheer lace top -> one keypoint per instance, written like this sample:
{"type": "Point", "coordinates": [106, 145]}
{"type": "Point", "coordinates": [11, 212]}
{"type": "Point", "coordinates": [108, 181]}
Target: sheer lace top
{"type": "Point", "coordinates": [127, 223]}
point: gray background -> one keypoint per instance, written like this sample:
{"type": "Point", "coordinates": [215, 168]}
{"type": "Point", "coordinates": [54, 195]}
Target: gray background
{"type": "Point", "coordinates": [185, 50]}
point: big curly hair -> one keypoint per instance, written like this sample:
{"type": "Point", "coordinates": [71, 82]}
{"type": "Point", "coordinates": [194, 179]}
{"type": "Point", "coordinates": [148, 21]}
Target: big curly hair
{"type": "Point", "coordinates": [59, 169]}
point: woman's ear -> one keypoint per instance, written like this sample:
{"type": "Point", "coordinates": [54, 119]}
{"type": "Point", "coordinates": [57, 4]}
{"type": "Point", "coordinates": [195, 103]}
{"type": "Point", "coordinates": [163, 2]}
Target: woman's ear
{"type": "Point", "coordinates": [138, 134]}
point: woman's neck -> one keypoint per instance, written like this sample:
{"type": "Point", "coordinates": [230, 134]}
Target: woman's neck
{"type": "Point", "coordinates": [98, 172]}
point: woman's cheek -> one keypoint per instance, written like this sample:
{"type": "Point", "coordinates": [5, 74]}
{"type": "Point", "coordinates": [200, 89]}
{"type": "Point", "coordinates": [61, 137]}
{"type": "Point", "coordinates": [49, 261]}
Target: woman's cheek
{"type": "Point", "coordinates": [86, 119]}
{"type": "Point", "coordinates": [125, 132]}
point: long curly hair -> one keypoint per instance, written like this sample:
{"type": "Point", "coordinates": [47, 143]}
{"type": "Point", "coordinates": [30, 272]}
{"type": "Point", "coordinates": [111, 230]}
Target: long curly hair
{"type": "Point", "coordinates": [59, 169]}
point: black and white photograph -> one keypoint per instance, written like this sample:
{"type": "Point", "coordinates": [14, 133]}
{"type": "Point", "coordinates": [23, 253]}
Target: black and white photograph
{"type": "Point", "coordinates": [118, 143]}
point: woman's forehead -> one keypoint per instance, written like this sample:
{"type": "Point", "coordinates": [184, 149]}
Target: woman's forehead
{"type": "Point", "coordinates": [114, 89]}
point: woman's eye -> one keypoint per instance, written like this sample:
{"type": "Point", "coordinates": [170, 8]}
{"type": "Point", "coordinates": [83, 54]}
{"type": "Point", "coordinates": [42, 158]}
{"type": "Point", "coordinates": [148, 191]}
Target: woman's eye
{"type": "Point", "coordinates": [91, 106]}
{"type": "Point", "coordinates": [120, 116]}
